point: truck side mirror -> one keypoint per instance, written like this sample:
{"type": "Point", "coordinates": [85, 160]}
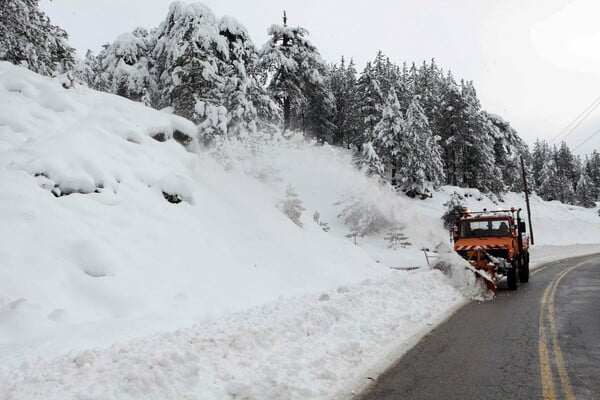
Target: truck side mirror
{"type": "Point", "coordinates": [522, 226]}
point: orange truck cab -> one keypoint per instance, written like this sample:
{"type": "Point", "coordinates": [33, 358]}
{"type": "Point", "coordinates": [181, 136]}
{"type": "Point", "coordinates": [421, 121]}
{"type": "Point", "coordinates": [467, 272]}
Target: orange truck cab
{"type": "Point", "coordinates": [495, 241]}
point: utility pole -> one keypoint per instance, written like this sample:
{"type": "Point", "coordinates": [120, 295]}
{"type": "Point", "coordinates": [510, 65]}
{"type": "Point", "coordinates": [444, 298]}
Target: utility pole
{"type": "Point", "coordinates": [287, 104]}
{"type": "Point", "coordinates": [527, 199]}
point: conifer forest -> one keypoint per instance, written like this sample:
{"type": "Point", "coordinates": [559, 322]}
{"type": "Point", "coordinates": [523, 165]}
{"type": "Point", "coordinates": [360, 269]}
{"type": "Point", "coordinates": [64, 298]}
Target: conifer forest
{"type": "Point", "coordinates": [414, 125]}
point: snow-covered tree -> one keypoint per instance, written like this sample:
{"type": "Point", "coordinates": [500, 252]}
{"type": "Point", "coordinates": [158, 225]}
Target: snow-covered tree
{"type": "Point", "coordinates": [568, 169]}
{"type": "Point", "coordinates": [421, 162]}
{"type": "Point", "coordinates": [396, 238]}
{"type": "Point", "coordinates": [388, 133]}
{"type": "Point", "coordinates": [509, 148]}
{"type": "Point", "coordinates": [27, 37]}
{"type": "Point", "coordinates": [124, 67]}
{"type": "Point", "coordinates": [592, 169]}
{"type": "Point", "coordinates": [468, 145]}
{"type": "Point", "coordinates": [455, 207]}
{"type": "Point", "coordinates": [297, 78]}
{"type": "Point", "coordinates": [369, 160]}
{"type": "Point", "coordinates": [240, 85]}
{"type": "Point", "coordinates": [187, 56]}
{"type": "Point", "coordinates": [370, 100]}
{"type": "Point", "coordinates": [585, 195]}
{"type": "Point", "coordinates": [346, 120]}
{"type": "Point", "coordinates": [85, 69]}
{"type": "Point", "coordinates": [549, 187]}
{"type": "Point", "coordinates": [291, 205]}
{"type": "Point", "coordinates": [362, 217]}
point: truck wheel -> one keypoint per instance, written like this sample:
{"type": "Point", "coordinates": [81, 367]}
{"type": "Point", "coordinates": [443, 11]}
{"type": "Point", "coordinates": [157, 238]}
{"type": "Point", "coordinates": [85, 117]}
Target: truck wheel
{"type": "Point", "coordinates": [511, 275]}
{"type": "Point", "coordinates": [511, 279]}
{"type": "Point", "coordinates": [524, 270]}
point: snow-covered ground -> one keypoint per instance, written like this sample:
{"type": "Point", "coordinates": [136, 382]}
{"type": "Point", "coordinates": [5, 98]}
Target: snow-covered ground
{"type": "Point", "coordinates": [111, 291]}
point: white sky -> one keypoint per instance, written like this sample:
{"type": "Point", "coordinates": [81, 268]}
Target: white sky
{"type": "Point", "coordinates": [534, 62]}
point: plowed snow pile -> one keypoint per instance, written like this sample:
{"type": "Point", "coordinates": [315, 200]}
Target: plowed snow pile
{"type": "Point", "coordinates": [132, 267]}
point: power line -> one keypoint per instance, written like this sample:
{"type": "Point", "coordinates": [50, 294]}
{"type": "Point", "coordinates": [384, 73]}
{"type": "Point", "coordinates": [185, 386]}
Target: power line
{"type": "Point", "coordinates": [580, 121]}
{"type": "Point", "coordinates": [589, 109]}
{"type": "Point", "coordinates": [581, 144]}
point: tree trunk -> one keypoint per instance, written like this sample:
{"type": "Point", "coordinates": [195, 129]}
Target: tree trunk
{"type": "Point", "coordinates": [286, 113]}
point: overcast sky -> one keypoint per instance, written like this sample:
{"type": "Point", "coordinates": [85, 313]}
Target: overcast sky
{"type": "Point", "coordinates": [534, 62]}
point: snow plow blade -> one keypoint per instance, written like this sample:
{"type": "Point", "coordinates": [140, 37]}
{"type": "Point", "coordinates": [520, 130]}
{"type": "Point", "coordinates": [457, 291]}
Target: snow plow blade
{"type": "Point", "coordinates": [489, 283]}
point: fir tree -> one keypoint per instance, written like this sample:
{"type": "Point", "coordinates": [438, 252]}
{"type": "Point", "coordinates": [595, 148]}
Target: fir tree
{"type": "Point", "coordinates": [369, 160]}
{"type": "Point", "coordinates": [85, 69]}
{"type": "Point", "coordinates": [298, 79]}
{"type": "Point", "coordinates": [291, 205]}
{"type": "Point", "coordinates": [245, 99]}
{"type": "Point", "coordinates": [592, 169]}
{"type": "Point", "coordinates": [124, 67]}
{"type": "Point", "coordinates": [27, 37]}
{"type": "Point", "coordinates": [549, 188]}
{"type": "Point", "coordinates": [388, 135]}
{"type": "Point", "coordinates": [187, 55]}
{"type": "Point", "coordinates": [396, 238]}
{"type": "Point", "coordinates": [568, 170]}
{"type": "Point", "coordinates": [423, 162]}
{"type": "Point", "coordinates": [343, 84]}
{"type": "Point", "coordinates": [454, 210]}
{"type": "Point", "coordinates": [585, 195]}
{"type": "Point", "coordinates": [370, 101]}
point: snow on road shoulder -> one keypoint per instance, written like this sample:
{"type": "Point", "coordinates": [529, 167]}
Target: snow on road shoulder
{"type": "Point", "coordinates": [305, 347]}
{"type": "Point", "coordinates": [317, 346]}
{"type": "Point", "coordinates": [543, 254]}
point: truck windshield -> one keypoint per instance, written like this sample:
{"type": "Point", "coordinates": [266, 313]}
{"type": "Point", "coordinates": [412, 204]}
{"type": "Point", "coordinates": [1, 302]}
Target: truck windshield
{"type": "Point", "coordinates": [484, 227]}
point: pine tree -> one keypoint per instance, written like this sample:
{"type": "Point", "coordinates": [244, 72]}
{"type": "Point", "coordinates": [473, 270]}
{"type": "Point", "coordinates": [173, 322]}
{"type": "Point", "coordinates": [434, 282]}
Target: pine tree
{"type": "Point", "coordinates": [549, 188]}
{"type": "Point", "coordinates": [187, 55]}
{"type": "Point", "coordinates": [298, 79]}
{"type": "Point", "coordinates": [362, 218]}
{"type": "Point", "coordinates": [343, 86]}
{"type": "Point", "coordinates": [592, 169]}
{"type": "Point", "coordinates": [396, 238]}
{"type": "Point", "coordinates": [388, 135]}
{"type": "Point", "coordinates": [540, 156]}
{"type": "Point", "coordinates": [509, 148]}
{"type": "Point", "coordinates": [85, 69]}
{"type": "Point", "coordinates": [568, 171]}
{"type": "Point", "coordinates": [369, 160]}
{"type": "Point", "coordinates": [421, 160]}
{"type": "Point", "coordinates": [370, 101]}
{"type": "Point", "coordinates": [454, 210]}
{"type": "Point", "coordinates": [246, 101]}
{"type": "Point", "coordinates": [478, 158]}
{"type": "Point", "coordinates": [585, 195]}
{"type": "Point", "coordinates": [27, 37]}
{"type": "Point", "coordinates": [124, 67]}
{"type": "Point", "coordinates": [291, 205]}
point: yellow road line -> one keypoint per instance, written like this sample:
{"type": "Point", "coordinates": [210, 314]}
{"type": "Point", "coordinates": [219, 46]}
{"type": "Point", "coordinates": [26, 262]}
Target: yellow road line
{"type": "Point", "coordinates": [535, 271]}
{"type": "Point", "coordinates": [547, 301]}
{"type": "Point", "coordinates": [545, 370]}
{"type": "Point", "coordinates": [560, 362]}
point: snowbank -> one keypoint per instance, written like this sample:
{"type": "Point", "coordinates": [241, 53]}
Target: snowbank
{"type": "Point", "coordinates": [133, 268]}
{"type": "Point", "coordinates": [92, 244]}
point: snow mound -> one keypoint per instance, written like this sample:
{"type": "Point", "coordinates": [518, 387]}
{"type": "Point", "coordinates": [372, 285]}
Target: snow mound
{"type": "Point", "coordinates": [112, 226]}
{"type": "Point", "coordinates": [299, 348]}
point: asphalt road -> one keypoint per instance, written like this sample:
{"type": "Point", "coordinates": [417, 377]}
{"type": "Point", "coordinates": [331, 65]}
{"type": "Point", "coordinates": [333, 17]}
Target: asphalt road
{"type": "Point", "coordinates": [541, 341]}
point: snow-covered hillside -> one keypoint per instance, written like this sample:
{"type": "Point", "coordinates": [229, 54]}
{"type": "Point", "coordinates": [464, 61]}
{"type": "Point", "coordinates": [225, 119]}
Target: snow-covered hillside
{"type": "Point", "coordinates": [220, 295]}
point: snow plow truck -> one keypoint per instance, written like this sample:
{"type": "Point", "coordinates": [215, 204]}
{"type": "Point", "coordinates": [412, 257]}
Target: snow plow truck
{"type": "Point", "coordinates": [494, 242]}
